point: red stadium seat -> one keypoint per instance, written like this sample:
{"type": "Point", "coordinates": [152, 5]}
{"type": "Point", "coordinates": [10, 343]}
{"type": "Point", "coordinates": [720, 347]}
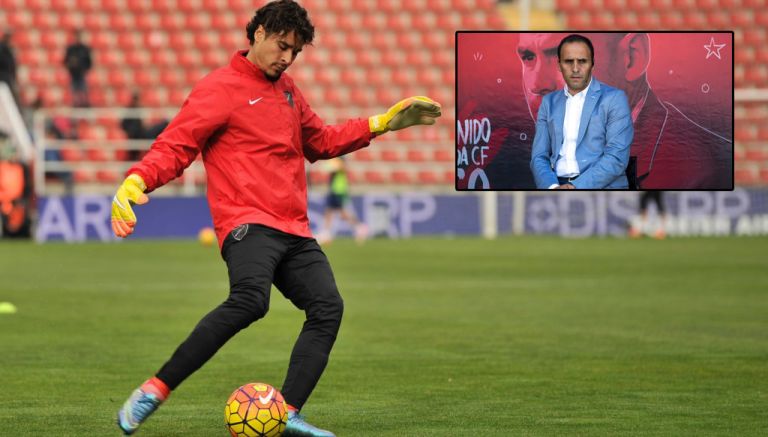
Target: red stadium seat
{"type": "Point", "coordinates": [361, 96]}
{"type": "Point", "coordinates": [416, 155]}
{"type": "Point", "coordinates": [648, 20]}
{"type": "Point", "coordinates": [70, 21]}
{"type": "Point", "coordinates": [761, 17]}
{"type": "Point", "coordinates": [755, 36]}
{"type": "Point", "coordinates": [144, 77]}
{"type": "Point", "coordinates": [744, 54]}
{"type": "Point", "coordinates": [671, 20]}
{"type": "Point", "coordinates": [71, 153]}
{"type": "Point", "coordinates": [374, 177]}
{"type": "Point", "coordinates": [116, 133]}
{"type": "Point", "coordinates": [107, 176]}
{"type": "Point", "coordinates": [197, 22]}
{"type": "Point", "coordinates": [402, 77]}
{"type": "Point", "coordinates": [401, 177]}
{"type": "Point", "coordinates": [745, 132]}
{"type": "Point", "coordinates": [147, 22]}
{"type": "Point", "coordinates": [189, 7]}
{"type": "Point", "coordinates": [363, 155]}
{"type": "Point", "coordinates": [444, 155]}
{"type": "Point", "coordinates": [177, 96]}
{"type": "Point", "coordinates": [695, 20]}
{"type": "Point", "coordinates": [137, 59]}
{"type": "Point", "coordinates": [719, 19]}
{"type": "Point", "coordinates": [746, 176]}
{"type": "Point", "coordinates": [373, 22]}
{"type": "Point", "coordinates": [390, 155]}
{"type": "Point", "coordinates": [102, 40]}
{"type": "Point", "coordinates": [117, 78]}
{"type": "Point", "coordinates": [708, 5]}
{"type": "Point", "coordinates": [98, 155]}
{"type": "Point", "coordinates": [684, 5]}
{"type": "Point", "coordinates": [427, 177]}
{"type": "Point", "coordinates": [172, 23]}
{"type": "Point", "coordinates": [162, 58]}
{"type": "Point", "coordinates": [121, 22]}
{"type": "Point", "coordinates": [82, 176]}
{"type": "Point", "coordinates": [756, 75]}
{"type": "Point", "coordinates": [741, 18]}
{"type": "Point", "coordinates": [19, 19]}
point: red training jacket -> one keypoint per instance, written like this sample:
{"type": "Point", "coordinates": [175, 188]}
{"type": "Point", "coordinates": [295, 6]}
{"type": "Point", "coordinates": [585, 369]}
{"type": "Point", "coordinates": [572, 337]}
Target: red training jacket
{"type": "Point", "coordinates": [254, 135]}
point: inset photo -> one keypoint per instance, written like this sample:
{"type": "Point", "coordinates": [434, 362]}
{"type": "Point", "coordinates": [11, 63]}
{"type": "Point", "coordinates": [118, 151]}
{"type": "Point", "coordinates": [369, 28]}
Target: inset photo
{"type": "Point", "coordinates": [594, 110]}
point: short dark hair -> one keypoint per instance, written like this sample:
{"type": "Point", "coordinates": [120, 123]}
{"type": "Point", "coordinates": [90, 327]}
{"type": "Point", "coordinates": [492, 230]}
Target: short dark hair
{"type": "Point", "coordinates": [577, 38]}
{"type": "Point", "coordinates": [281, 17]}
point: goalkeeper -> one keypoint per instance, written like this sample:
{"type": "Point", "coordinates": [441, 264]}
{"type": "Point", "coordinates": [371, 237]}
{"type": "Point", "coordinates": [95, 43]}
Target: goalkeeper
{"type": "Point", "coordinates": [254, 130]}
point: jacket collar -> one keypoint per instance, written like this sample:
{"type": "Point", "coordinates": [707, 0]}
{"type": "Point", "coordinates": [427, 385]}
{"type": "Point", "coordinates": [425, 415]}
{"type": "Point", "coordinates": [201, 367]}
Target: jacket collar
{"type": "Point", "coordinates": [241, 64]}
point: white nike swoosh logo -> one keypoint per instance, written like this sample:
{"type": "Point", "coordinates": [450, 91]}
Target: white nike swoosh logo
{"type": "Point", "coordinates": [253, 102]}
{"type": "Point", "coordinates": [271, 392]}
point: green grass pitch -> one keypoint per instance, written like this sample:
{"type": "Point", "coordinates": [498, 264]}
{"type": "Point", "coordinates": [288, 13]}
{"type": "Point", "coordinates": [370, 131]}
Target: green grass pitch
{"type": "Point", "coordinates": [441, 337]}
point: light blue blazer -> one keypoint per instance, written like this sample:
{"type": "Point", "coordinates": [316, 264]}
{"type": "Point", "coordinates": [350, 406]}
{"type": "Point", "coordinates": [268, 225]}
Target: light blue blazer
{"type": "Point", "coordinates": [602, 147]}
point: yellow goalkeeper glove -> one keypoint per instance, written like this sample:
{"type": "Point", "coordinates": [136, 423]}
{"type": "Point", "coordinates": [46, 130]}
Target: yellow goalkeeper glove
{"type": "Point", "coordinates": [131, 191]}
{"type": "Point", "coordinates": [406, 113]}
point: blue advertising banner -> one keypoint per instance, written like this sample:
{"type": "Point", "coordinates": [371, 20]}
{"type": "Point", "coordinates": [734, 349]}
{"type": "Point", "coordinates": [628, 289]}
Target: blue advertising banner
{"type": "Point", "coordinates": [388, 215]}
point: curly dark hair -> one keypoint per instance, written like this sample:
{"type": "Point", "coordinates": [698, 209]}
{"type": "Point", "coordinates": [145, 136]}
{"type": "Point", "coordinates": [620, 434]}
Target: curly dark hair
{"type": "Point", "coordinates": [281, 17]}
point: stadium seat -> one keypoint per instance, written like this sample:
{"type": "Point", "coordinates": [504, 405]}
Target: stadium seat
{"type": "Point", "coordinates": [719, 19]}
{"type": "Point", "coordinates": [672, 20]}
{"type": "Point", "coordinates": [428, 177]}
{"type": "Point", "coordinates": [745, 132]}
{"type": "Point", "coordinates": [695, 20]}
{"type": "Point", "coordinates": [744, 54]}
{"type": "Point", "coordinates": [82, 176]}
{"type": "Point", "coordinates": [444, 155]}
{"type": "Point", "coordinates": [416, 155]}
{"type": "Point", "coordinates": [375, 177]}
{"type": "Point", "coordinates": [71, 153]}
{"type": "Point", "coordinates": [107, 176]}
{"type": "Point", "coordinates": [746, 176]}
{"type": "Point", "coordinates": [401, 177]}
{"type": "Point", "coordinates": [363, 155]}
{"type": "Point", "coordinates": [761, 17]}
{"type": "Point", "coordinates": [741, 18]}
{"type": "Point", "coordinates": [121, 22]}
{"type": "Point", "coordinates": [390, 155]}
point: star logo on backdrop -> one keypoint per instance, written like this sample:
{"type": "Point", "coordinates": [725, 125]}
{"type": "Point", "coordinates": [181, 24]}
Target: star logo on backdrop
{"type": "Point", "coordinates": [713, 49]}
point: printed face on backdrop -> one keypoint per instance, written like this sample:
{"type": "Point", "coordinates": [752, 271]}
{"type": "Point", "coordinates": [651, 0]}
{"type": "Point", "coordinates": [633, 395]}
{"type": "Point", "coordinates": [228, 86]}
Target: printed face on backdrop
{"type": "Point", "coordinates": [541, 69]}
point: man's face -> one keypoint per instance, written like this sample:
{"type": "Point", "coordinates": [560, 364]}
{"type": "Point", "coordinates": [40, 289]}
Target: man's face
{"type": "Point", "coordinates": [274, 53]}
{"type": "Point", "coordinates": [576, 66]}
{"type": "Point", "coordinates": [538, 54]}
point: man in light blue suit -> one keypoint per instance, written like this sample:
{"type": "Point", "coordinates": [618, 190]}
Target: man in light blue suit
{"type": "Point", "coordinates": [584, 131]}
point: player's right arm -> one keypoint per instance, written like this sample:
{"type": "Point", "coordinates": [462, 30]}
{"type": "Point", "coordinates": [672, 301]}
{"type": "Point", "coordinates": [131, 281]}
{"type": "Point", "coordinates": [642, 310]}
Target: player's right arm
{"type": "Point", "coordinates": [204, 112]}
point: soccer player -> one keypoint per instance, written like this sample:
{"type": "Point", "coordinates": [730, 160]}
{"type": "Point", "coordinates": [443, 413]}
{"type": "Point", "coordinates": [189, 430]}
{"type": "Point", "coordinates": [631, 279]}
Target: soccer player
{"type": "Point", "coordinates": [254, 130]}
{"type": "Point", "coordinates": [337, 202]}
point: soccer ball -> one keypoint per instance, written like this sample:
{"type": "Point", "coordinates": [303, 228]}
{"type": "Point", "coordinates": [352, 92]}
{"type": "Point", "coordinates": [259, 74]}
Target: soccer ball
{"type": "Point", "coordinates": [255, 410]}
{"type": "Point", "coordinates": [207, 236]}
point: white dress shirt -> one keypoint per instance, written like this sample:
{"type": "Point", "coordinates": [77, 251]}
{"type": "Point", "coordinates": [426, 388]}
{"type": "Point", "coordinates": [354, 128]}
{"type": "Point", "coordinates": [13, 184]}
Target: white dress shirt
{"type": "Point", "coordinates": [566, 165]}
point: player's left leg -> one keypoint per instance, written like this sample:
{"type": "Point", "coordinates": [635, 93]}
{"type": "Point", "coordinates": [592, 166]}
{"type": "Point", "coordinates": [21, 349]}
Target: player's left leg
{"type": "Point", "coordinates": [304, 276]}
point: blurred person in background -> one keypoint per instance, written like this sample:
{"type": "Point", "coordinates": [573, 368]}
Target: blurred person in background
{"type": "Point", "coordinates": [643, 225]}
{"type": "Point", "coordinates": [584, 129]}
{"type": "Point", "coordinates": [77, 61]}
{"type": "Point", "coordinates": [135, 128]}
{"type": "Point", "coordinates": [8, 64]}
{"type": "Point", "coordinates": [337, 202]}
{"type": "Point", "coordinates": [672, 151]}
{"type": "Point", "coordinates": [255, 131]}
